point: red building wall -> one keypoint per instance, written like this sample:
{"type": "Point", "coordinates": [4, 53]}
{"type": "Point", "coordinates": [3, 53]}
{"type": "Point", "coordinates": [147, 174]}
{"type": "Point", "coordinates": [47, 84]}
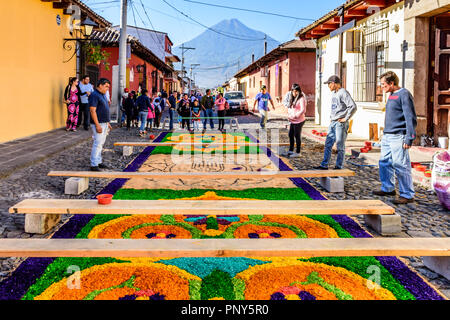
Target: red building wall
{"type": "Point", "coordinates": [302, 70]}
{"type": "Point", "coordinates": [133, 62]}
{"type": "Point", "coordinates": [296, 67]}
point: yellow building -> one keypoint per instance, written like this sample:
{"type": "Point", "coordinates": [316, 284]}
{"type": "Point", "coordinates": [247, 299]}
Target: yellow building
{"type": "Point", "coordinates": [34, 66]}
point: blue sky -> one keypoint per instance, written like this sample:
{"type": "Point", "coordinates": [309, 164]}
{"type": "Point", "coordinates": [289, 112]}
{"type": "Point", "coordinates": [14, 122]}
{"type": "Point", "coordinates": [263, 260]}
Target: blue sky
{"type": "Point", "coordinates": [181, 29]}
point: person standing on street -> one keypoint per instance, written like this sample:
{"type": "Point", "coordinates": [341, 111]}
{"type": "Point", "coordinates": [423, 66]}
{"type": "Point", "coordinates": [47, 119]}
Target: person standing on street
{"type": "Point", "coordinates": [72, 97]}
{"type": "Point", "coordinates": [296, 116]}
{"type": "Point", "coordinates": [207, 105]}
{"type": "Point", "coordinates": [184, 111]}
{"type": "Point", "coordinates": [129, 106]}
{"type": "Point", "coordinates": [158, 109]}
{"type": "Point", "coordinates": [262, 99]}
{"type": "Point", "coordinates": [342, 109]}
{"type": "Point", "coordinates": [99, 109]}
{"type": "Point", "coordinates": [196, 111]}
{"type": "Point", "coordinates": [398, 137]}
{"type": "Point", "coordinates": [173, 105]}
{"type": "Point", "coordinates": [143, 103]}
{"type": "Point", "coordinates": [86, 90]}
{"type": "Point", "coordinates": [222, 107]}
{"type": "Point", "coordinates": [125, 94]}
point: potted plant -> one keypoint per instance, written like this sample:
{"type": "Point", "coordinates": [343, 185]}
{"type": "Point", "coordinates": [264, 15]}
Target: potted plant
{"type": "Point", "coordinates": [95, 55]}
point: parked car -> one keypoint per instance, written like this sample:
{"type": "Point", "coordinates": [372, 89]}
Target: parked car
{"type": "Point", "coordinates": [237, 101]}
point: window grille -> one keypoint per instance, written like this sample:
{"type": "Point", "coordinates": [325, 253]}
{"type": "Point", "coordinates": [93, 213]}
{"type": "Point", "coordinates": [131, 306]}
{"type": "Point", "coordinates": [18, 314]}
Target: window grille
{"type": "Point", "coordinates": [370, 61]}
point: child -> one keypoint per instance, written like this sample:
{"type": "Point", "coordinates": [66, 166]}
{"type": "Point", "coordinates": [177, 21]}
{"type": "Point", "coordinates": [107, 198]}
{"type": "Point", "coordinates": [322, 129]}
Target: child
{"type": "Point", "coordinates": [151, 116]}
{"type": "Point", "coordinates": [196, 115]}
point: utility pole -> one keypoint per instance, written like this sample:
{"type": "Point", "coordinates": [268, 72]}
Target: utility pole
{"type": "Point", "coordinates": [122, 54]}
{"type": "Point", "coordinates": [183, 50]}
{"type": "Point", "coordinates": [190, 78]}
{"type": "Point", "coordinates": [341, 42]}
{"type": "Point", "coordinates": [265, 44]}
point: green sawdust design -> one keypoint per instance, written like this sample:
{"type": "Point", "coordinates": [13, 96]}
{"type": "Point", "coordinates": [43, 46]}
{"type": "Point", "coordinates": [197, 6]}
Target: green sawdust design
{"type": "Point", "coordinates": [254, 193]}
{"type": "Point", "coordinates": [58, 270]}
{"type": "Point", "coordinates": [218, 284]}
{"type": "Point", "coordinates": [229, 233]}
{"type": "Point", "coordinates": [242, 150]}
{"type": "Point", "coordinates": [129, 284]}
{"type": "Point", "coordinates": [196, 233]}
{"type": "Point", "coordinates": [360, 265]}
{"type": "Point", "coordinates": [95, 221]}
{"type": "Point", "coordinates": [314, 278]}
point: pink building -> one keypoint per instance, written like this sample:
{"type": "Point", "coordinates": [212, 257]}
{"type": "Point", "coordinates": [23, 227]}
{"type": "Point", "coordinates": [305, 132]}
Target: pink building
{"type": "Point", "coordinates": [291, 62]}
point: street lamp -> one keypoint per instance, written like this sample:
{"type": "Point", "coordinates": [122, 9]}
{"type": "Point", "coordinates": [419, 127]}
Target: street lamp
{"type": "Point", "coordinates": [87, 27]}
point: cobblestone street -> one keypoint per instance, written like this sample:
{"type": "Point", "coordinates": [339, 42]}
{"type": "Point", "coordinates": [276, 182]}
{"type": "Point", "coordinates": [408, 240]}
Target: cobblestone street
{"type": "Point", "coordinates": [425, 218]}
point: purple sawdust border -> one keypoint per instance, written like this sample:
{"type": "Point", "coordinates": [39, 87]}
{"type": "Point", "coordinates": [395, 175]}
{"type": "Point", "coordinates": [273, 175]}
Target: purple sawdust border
{"type": "Point", "coordinates": [408, 278]}
{"type": "Point", "coordinates": [15, 286]}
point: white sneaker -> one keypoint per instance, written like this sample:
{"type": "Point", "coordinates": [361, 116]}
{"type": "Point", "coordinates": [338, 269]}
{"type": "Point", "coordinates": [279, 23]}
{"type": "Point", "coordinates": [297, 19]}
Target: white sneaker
{"type": "Point", "coordinates": [295, 155]}
{"type": "Point", "coordinates": [287, 154]}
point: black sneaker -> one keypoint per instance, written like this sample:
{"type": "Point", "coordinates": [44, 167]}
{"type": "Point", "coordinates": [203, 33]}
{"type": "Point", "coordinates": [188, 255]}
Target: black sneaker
{"type": "Point", "coordinates": [102, 166]}
{"type": "Point", "coordinates": [381, 193]}
{"type": "Point", "coordinates": [337, 168]}
{"type": "Point", "coordinates": [320, 168]}
{"type": "Point", "coordinates": [95, 169]}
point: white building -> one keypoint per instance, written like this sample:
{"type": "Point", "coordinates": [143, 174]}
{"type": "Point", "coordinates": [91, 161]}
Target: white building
{"type": "Point", "coordinates": [373, 33]}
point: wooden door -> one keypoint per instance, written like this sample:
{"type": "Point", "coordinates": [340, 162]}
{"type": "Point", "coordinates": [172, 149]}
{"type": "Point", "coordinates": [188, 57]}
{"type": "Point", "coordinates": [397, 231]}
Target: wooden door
{"type": "Point", "coordinates": [440, 74]}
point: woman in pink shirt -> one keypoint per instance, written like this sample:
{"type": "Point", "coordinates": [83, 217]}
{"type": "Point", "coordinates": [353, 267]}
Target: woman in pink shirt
{"type": "Point", "coordinates": [151, 116]}
{"type": "Point", "coordinates": [222, 106]}
{"type": "Point", "coordinates": [296, 116]}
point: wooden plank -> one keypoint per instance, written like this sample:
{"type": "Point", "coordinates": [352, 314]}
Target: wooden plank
{"type": "Point", "coordinates": [202, 207]}
{"type": "Point", "coordinates": [205, 175]}
{"type": "Point", "coordinates": [220, 143]}
{"type": "Point", "coordinates": [340, 247]}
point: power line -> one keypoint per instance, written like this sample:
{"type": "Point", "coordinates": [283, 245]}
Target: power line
{"type": "Point", "coordinates": [248, 10]}
{"type": "Point", "coordinates": [209, 28]}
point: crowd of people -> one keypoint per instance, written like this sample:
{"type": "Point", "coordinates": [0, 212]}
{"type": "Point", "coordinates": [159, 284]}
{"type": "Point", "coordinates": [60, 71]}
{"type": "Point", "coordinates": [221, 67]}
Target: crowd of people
{"type": "Point", "coordinates": [89, 106]}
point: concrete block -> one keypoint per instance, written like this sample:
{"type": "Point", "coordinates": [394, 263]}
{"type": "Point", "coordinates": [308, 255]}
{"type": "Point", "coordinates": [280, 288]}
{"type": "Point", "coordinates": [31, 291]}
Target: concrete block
{"type": "Point", "coordinates": [332, 184]}
{"type": "Point", "coordinates": [40, 223]}
{"type": "Point", "coordinates": [76, 186]}
{"type": "Point", "coordinates": [440, 265]}
{"type": "Point", "coordinates": [127, 151]}
{"type": "Point", "coordinates": [388, 224]}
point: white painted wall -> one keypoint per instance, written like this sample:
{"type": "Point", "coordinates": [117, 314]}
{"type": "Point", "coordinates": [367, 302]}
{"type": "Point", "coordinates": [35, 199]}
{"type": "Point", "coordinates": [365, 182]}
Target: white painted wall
{"type": "Point", "coordinates": [368, 112]}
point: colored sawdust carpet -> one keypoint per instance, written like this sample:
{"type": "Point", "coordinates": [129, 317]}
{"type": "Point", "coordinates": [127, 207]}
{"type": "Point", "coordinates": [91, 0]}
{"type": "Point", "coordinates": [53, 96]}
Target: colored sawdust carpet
{"type": "Point", "coordinates": [301, 278]}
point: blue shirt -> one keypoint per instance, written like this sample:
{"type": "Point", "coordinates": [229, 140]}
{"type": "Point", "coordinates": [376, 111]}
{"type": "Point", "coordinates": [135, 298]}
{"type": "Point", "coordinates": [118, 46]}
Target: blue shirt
{"type": "Point", "coordinates": [85, 88]}
{"type": "Point", "coordinates": [98, 100]}
{"type": "Point", "coordinates": [143, 103]}
{"type": "Point", "coordinates": [401, 115]}
{"type": "Point", "coordinates": [263, 101]}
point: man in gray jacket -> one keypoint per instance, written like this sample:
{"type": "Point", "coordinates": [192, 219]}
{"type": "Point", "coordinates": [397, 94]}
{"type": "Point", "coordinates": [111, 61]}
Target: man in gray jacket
{"type": "Point", "coordinates": [342, 109]}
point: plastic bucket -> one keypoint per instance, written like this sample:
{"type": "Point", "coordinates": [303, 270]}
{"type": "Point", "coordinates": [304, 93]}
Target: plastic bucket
{"type": "Point", "coordinates": [443, 142]}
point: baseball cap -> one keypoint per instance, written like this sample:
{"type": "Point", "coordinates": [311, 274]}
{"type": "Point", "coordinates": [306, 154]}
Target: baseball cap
{"type": "Point", "coordinates": [333, 79]}
{"type": "Point", "coordinates": [126, 90]}
{"type": "Point", "coordinates": [263, 87]}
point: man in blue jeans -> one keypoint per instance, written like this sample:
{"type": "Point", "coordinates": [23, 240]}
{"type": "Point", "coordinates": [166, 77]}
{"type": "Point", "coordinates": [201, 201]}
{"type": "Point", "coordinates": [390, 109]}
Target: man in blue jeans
{"type": "Point", "coordinates": [342, 109]}
{"type": "Point", "coordinates": [262, 99]}
{"type": "Point", "coordinates": [398, 136]}
{"type": "Point", "coordinates": [207, 105]}
{"type": "Point", "coordinates": [99, 111]}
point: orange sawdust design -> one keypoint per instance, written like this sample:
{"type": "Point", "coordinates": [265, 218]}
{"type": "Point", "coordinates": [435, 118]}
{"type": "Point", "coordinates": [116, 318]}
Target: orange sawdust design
{"type": "Point", "coordinates": [211, 195]}
{"type": "Point", "coordinates": [210, 142]}
{"type": "Point", "coordinates": [169, 281]}
{"type": "Point", "coordinates": [264, 280]}
{"type": "Point", "coordinates": [161, 232]}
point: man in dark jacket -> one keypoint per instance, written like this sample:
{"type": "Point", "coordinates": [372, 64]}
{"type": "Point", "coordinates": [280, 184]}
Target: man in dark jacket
{"type": "Point", "coordinates": [399, 134]}
{"type": "Point", "coordinates": [207, 105]}
{"type": "Point", "coordinates": [143, 103]}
